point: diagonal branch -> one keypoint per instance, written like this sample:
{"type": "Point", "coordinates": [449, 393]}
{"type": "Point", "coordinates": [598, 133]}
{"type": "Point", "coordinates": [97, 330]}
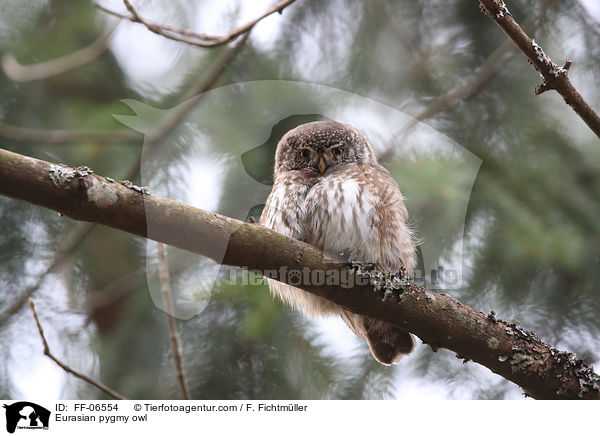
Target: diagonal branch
{"type": "Point", "coordinates": [27, 73]}
{"type": "Point", "coordinates": [188, 36]}
{"type": "Point", "coordinates": [66, 367]}
{"type": "Point", "coordinates": [518, 355]}
{"type": "Point", "coordinates": [555, 77]}
{"type": "Point", "coordinates": [470, 86]}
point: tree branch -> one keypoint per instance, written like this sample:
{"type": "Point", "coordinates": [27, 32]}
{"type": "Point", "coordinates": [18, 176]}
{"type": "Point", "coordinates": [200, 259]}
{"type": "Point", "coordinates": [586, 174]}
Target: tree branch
{"type": "Point", "coordinates": [165, 285]}
{"type": "Point", "coordinates": [66, 367]}
{"type": "Point", "coordinates": [518, 355]}
{"type": "Point", "coordinates": [27, 73]}
{"type": "Point", "coordinates": [555, 77]}
{"type": "Point", "coordinates": [188, 36]}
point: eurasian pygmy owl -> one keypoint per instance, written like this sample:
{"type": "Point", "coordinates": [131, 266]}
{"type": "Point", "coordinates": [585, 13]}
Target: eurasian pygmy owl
{"type": "Point", "coordinates": [330, 191]}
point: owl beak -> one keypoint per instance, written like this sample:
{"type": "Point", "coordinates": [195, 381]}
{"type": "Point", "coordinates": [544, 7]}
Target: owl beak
{"type": "Point", "coordinates": [322, 165]}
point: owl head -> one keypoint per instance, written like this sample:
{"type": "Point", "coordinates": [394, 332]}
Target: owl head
{"type": "Point", "coordinates": [316, 149]}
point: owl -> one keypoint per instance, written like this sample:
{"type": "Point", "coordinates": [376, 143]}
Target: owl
{"type": "Point", "coordinates": [330, 191]}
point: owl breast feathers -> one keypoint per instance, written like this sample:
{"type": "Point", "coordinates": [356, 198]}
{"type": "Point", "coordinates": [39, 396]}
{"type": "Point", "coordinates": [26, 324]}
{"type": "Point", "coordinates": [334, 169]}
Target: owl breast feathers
{"type": "Point", "coordinates": [329, 191]}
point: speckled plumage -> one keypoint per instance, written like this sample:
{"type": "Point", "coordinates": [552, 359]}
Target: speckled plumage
{"type": "Point", "coordinates": [329, 191]}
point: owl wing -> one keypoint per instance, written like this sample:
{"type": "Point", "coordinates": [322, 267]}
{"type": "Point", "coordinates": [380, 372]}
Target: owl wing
{"type": "Point", "coordinates": [396, 249]}
{"type": "Point", "coordinates": [281, 212]}
{"type": "Point", "coordinates": [396, 241]}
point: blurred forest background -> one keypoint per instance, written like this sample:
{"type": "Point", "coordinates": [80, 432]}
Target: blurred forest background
{"type": "Point", "coordinates": [532, 235]}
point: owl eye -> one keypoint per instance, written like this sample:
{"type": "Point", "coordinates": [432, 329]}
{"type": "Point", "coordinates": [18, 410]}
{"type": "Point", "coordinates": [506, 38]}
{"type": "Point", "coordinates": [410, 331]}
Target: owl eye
{"type": "Point", "coordinates": [304, 153]}
{"type": "Point", "coordinates": [337, 150]}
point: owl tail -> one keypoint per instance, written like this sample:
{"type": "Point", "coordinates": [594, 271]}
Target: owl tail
{"type": "Point", "coordinates": [388, 343]}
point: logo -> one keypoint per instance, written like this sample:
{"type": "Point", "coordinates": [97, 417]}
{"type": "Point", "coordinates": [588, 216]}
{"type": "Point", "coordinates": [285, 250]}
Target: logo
{"type": "Point", "coordinates": [26, 415]}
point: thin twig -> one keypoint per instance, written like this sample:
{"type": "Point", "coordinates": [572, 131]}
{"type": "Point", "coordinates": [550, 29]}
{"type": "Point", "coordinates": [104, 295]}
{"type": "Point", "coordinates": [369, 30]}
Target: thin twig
{"type": "Point", "coordinates": [163, 273]}
{"type": "Point", "coordinates": [26, 73]}
{"type": "Point", "coordinates": [165, 27]}
{"type": "Point", "coordinates": [66, 367]}
{"type": "Point", "coordinates": [555, 77]}
{"type": "Point", "coordinates": [190, 37]}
